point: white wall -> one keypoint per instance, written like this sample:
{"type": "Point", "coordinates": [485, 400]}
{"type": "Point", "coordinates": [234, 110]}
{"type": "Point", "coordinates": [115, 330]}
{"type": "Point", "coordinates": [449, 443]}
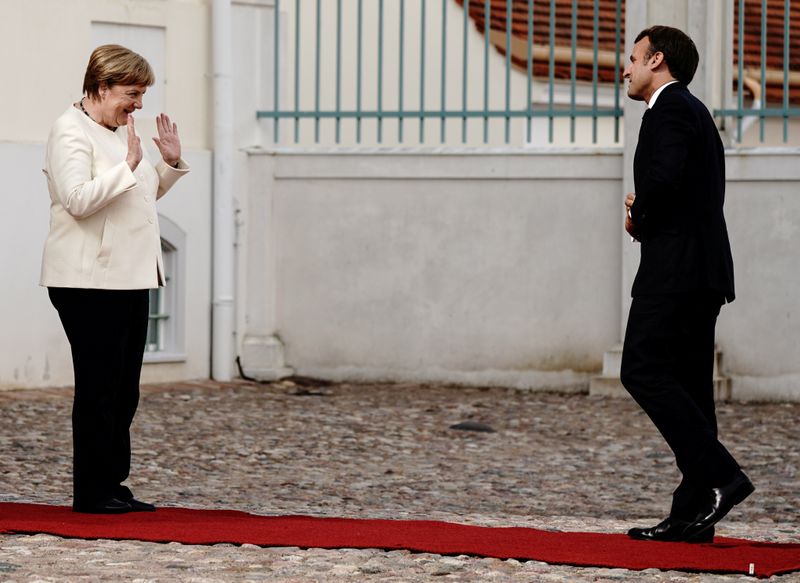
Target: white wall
{"type": "Point", "coordinates": [478, 268]}
{"type": "Point", "coordinates": [35, 352]}
{"type": "Point", "coordinates": [44, 48]}
{"type": "Point", "coordinates": [33, 342]}
{"type": "Point", "coordinates": [496, 268]}
{"type": "Point", "coordinates": [473, 266]}
{"type": "Point", "coordinates": [759, 333]}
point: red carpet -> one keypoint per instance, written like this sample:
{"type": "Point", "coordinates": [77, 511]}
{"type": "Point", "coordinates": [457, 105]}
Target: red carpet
{"type": "Point", "coordinates": [568, 548]}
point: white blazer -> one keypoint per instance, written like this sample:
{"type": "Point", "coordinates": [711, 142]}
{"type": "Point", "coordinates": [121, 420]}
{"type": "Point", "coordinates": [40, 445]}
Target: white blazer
{"type": "Point", "coordinates": [103, 222]}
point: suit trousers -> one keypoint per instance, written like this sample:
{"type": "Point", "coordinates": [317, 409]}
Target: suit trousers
{"type": "Point", "coordinates": [107, 330]}
{"type": "Point", "coordinates": [667, 367]}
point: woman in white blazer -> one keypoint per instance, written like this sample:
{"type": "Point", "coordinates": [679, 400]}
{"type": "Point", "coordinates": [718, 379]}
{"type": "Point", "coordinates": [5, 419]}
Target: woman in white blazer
{"type": "Point", "coordinates": [101, 258]}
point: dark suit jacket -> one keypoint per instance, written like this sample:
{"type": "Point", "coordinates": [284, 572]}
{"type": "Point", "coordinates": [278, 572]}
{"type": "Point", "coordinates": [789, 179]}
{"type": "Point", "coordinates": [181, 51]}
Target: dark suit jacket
{"type": "Point", "coordinates": [679, 176]}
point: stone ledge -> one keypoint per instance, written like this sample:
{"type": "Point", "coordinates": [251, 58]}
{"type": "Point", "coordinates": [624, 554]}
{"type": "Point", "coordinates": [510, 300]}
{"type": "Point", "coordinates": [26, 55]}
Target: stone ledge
{"type": "Point", "coordinates": [612, 387]}
{"type": "Point", "coordinates": [609, 385]}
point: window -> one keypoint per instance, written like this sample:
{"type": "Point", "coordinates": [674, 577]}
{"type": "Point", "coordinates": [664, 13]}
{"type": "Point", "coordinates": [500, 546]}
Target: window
{"type": "Point", "coordinates": [148, 41]}
{"type": "Point", "coordinates": [165, 338]}
{"type": "Point", "coordinates": [162, 301]}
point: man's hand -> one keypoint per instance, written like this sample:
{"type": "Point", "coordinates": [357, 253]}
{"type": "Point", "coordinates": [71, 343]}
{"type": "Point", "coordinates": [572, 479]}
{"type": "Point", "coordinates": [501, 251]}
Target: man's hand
{"type": "Point", "coordinates": [628, 220]}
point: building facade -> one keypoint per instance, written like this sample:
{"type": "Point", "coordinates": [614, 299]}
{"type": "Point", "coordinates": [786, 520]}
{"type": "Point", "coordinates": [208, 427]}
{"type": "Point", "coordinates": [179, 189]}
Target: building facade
{"type": "Point", "coordinates": [441, 257]}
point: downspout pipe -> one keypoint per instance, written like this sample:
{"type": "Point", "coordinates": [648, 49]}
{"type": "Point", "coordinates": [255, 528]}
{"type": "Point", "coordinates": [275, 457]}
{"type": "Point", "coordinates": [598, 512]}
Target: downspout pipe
{"type": "Point", "coordinates": [754, 86]}
{"type": "Point", "coordinates": [222, 318]}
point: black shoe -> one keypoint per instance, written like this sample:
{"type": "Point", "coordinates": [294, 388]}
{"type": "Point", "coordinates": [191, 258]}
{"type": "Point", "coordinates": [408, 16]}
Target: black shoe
{"type": "Point", "coordinates": [722, 500]}
{"type": "Point", "coordinates": [124, 493]}
{"type": "Point", "coordinates": [110, 506]}
{"type": "Point", "coordinates": [139, 506]}
{"type": "Point", "coordinates": [671, 530]}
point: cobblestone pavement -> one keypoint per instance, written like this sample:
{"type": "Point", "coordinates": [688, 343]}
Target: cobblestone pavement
{"type": "Point", "coordinates": [555, 461]}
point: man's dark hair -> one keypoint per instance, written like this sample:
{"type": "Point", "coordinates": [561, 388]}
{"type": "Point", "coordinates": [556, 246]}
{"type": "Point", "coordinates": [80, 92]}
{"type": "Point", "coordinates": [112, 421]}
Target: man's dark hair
{"type": "Point", "coordinates": [679, 51]}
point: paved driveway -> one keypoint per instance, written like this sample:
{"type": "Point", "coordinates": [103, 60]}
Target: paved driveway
{"type": "Point", "coordinates": [568, 462]}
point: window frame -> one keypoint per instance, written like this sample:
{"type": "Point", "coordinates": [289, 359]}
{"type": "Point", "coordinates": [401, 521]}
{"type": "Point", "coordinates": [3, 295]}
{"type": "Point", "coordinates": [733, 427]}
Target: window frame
{"type": "Point", "coordinates": [173, 245]}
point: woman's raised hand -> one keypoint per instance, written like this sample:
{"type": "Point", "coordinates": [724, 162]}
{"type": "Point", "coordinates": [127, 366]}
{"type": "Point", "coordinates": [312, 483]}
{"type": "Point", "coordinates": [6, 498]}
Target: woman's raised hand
{"type": "Point", "coordinates": [134, 146]}
{"type": "Point", "coordinates": [168, 141]}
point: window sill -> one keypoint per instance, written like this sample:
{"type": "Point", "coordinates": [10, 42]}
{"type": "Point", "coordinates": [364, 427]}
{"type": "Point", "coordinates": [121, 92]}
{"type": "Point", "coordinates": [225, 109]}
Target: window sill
{"type": "Point", "coordinates": [159, 357]}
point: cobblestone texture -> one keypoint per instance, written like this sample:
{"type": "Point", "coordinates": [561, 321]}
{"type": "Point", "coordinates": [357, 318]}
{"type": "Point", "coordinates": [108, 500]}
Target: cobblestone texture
{"type": "Point", "coordinates": [565, 462]}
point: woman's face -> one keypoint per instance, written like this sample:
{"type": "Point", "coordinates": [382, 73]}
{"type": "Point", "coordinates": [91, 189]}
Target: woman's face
{"type": "Point", "coordinates": [118, 101]}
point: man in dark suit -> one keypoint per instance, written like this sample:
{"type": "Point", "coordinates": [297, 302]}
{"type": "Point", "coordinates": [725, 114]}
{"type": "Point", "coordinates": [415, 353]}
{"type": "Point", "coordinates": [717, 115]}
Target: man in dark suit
{"type": "Point", "coordinates": [685, 275]}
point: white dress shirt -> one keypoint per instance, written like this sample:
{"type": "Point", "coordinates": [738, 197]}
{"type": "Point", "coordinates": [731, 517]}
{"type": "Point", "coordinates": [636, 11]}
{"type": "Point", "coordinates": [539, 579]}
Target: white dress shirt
{"type": "Point", "coordinates": [657, 92]}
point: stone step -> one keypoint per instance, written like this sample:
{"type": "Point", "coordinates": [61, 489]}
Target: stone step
{"type": "Point", "coordinates": [609, 385]}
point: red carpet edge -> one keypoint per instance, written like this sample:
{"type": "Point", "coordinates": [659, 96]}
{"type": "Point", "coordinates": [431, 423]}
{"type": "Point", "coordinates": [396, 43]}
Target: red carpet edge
{"type": "Point", "coordinates": [582, 549]}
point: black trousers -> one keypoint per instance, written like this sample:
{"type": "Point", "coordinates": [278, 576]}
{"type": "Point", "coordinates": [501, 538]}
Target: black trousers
{"type": "Point", "coordinates": [667, 367]}
{"type": "Point", "coordinates": [107, 330]}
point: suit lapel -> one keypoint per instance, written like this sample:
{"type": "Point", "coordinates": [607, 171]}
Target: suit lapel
{"type": "Point", "coordinates": [645, 119]}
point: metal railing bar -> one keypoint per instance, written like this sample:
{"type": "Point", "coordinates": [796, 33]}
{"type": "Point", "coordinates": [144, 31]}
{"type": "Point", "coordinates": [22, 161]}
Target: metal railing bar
{"type": "Point", "coordinates": [422, 35]}
{"type": "Point", "coordinates": [763, 64]}
{"type": "Point", "coordinates": [530, 71]}
{"type": "Point", "coordinates": [508, 69]}
{"type": "Point", "coordinates": [380, 71]}
{"type": "Point", "coordinates": [443, 90]}
{"type": "Point", "coordinates": [276, 65]}
{"type": "Point", "coordinates": [595, 71]}
{"type": "Point", "coordinates": [359, 64]}
{"type": "Point", "coordinates": [617, 55]}
{"type": "Point", "coordinates": [296, 69]}
{"type": "Point", "coordinates": [740, 82]}
{"type": "Point", "coordinates": [401, 65]}
{"type": "Point", "coordinates": [316, 69]}
{"type": "Point", "coordinates": [573, 67]}
{"type": "Point", "coordinates": [488, 113]}
{"type": "Point", "coordinates": [338, 68]}
{"type": "Point", "coordinates": [487, 19]}
{"type": "Point", "coordinates": [760, 112]}
{"type": "Point", "coordinates": [465, 70]}
{"type": "Point", "coordinates": [786, 18]}
{"type": "Point", "coordinates": [552, 70]}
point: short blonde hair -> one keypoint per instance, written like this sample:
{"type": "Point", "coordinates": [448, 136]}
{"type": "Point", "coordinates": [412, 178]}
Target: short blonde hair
{"type": "Point", "coordinates": [115, 65]}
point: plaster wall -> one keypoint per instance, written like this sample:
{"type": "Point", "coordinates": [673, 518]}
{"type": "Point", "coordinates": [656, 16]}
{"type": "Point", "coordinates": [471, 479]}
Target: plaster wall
{"type": "Point", "coordinates": [485, 268]}
{"type": "Point", "coordinates": [35, 352]}
{"type": "Point", "coordinates": [758, 332]}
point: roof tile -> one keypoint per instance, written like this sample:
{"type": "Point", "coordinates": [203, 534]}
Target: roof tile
{"type": "Point", "coordinates": [606, 38]}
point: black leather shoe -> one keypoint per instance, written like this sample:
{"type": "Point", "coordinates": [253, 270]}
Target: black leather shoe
{"type": "Point", "coordinates": [139, 506]}
{"type": "Point", "coordinates": [722, 500]}
{"type": "Point", "coordinates": [671, 530]}
{"type": "Point", "coordinates": [110, 506]}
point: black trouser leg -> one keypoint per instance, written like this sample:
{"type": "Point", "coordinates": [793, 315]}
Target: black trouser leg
{"type": "Point", "coordinates": [128, 401]}
{"type": "Point", "coordinates": [106, 330]}
{"type": "Point", "coordinates": [667, 367]}
{"type": "Point", "coordinates": [696, 375]}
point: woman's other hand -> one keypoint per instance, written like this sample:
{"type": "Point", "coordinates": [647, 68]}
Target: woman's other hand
{"type": "Point", "coordinates": [134, 146]}
{"type": "Point", "coordinates": [168, 141]}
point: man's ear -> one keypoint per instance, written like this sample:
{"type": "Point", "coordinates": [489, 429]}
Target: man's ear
{"type": "Point", "coordinates": [656, 60]}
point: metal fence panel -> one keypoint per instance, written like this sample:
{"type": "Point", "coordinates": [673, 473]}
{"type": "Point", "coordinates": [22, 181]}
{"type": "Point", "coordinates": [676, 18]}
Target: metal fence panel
{"type": "Point", "coordinates": [492, 56]}
{"type": "Point", "coordinates": [767, 66]}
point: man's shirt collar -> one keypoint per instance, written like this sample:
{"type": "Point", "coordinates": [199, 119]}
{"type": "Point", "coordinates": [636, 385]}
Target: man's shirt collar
{"type": "Point", "coordinates": [657, 92]}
